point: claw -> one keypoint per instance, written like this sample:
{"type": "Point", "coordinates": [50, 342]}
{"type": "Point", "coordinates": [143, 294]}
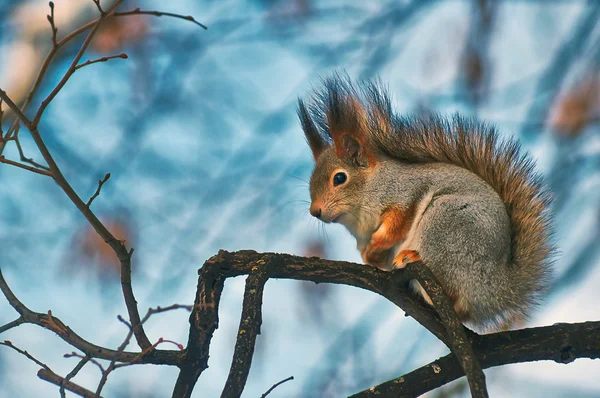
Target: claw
{"type": "Point", "coordinates": [405, 257]}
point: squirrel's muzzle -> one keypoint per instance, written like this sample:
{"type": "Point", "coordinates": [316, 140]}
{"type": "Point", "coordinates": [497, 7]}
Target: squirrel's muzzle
{"type": "Point", "coordinates": [315, 210]}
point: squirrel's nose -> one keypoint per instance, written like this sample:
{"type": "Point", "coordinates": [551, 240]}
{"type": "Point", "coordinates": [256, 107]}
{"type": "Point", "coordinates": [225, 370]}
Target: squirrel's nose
{"type": "Point", "coordinates": [315, 211]}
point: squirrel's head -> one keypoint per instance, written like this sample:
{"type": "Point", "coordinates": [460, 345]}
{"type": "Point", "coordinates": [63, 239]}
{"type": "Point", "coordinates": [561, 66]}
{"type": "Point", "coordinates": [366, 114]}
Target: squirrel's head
{"type": "Point", "coordinates": [335, 124]}
{"type": "Point", "coordinates": [337, 184]}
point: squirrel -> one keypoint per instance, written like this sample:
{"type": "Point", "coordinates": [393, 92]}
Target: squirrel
{"type": "Point", "coordinates": [445, 191]}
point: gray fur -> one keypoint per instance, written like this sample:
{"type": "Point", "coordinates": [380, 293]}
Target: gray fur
{"type": "Point", "coordinates": [482, 226]}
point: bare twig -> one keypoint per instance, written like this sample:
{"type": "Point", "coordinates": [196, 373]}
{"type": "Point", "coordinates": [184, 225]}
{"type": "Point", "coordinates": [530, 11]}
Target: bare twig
{"type": "Point", "coordinates": [102, 59]}
{"type": "Point", "coordinates": [100, 10]}
{"type": "Point", "coordinates": [52, 25]}
{"type": "Point", "coordinates": [118, 247]}
{"type": "Point", "coordinates": [137, 11]}
{"type": "Point", "coordinates": [82, 357]}
{"type": "Point", "coordinates": [151, 311]}
{"type": "Point", "coordinates": [459, 343]}
{"type": "Point", "coordinates": [53, 378]}
{"type": "Point", "coordinates": [250, 323]}
{"type": "Point", "coordinates": [60, 44]}
{"type": "Point", "coordinates": [22, 156]}
{"type": "Point", "coordinates": [25, 353]}
{"type": "Point", "coordinates": [276, 385]}
{"type": "Point", "coordinates": [12, 324]}
{"type": "Point", "coordinates": [24, 166]}
{"type": "Point", "coordinates": [50, 322]}
{"type": "Point", "coordinates": [72, 374]}
{"type": "Point", "coordinates": [72, 67]}
{"type": "Point", "coordinates": [95, 195]}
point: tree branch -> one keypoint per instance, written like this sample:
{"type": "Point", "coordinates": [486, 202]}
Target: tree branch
{"type": "Point", "coordinates": [204, 320]}
{"type": "Point", "coordinates": [12, 324]}
{"type": "Point", "coordinates": [50, 322]}
{"type": "Point", "coordinates": [137, 11]}
{"type": "Point", "coordinates": [52, 25]}
{"type": "Point", "coordinates": [276, 385]}
{"type": "Point", "coordinates": [118, 247]}
{"type": "Point", "coordinates": [459, 343]}
{"type": "Point", "coordinates": [95, 195]}
{"type": "Point", "coordinates": [562, 343]}
{"type": "Point", "coordinates": [53, 378]}
{"type": "Point", "coordinates": [250, 323]}
{"type": "Point", "coordinates": [25, 167]}
{"type": "Point", "coordinates": [102, 59]}
{"type": "Point", "coordinates": [72, 374]}
{"type": "Point", "coordinates": [25, 353]}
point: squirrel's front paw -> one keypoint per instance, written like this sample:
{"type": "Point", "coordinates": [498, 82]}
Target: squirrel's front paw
{"type": "Point", "coordinates": [405, 257]}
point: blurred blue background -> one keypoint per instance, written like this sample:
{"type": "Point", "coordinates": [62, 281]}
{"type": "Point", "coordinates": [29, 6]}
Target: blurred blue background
{"type": "Point", "coordinates": [199, 133]}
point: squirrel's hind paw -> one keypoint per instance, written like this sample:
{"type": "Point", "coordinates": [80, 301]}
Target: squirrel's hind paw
{"type": "Point", "coordinates": [405, 257]}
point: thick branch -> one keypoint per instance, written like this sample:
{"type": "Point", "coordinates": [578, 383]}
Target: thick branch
{"type": "Point", "coordinates": [562, 343]}
{"type": "Point", "coordinates": [250, 322]}
{"type": "Point", "coordinates": [459, 343]}
{"type": "Point", "coordinates": [68, 385]}
{"type": "Point", "coordinates": [391, 285]}
{"type": "Point", "coordinates": [204, 320]}
{"type": "Point", "coordinates": [50, 322]}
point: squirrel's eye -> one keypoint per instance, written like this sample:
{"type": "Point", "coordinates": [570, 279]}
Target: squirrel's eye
{"type": "Point", "coordinates": [339, 178]}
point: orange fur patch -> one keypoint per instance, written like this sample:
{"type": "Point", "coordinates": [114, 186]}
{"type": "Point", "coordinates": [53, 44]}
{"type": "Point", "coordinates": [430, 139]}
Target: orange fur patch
{"type": "Point", "coordinates": [395, 224]}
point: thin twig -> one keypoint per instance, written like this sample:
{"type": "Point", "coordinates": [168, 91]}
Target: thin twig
{"type": "Point", "coordinates": [250, 323]}
{"type": "Point", "coordinates": [276, 385]}
{"type": "Point", "coordinates": [22, 156]}
{"type": "Point", "coordinates": [90, 359]}
{"type": "Point", "coordinates": [103, 59]}
{"type": "Point", "coordinates": [71, 69]}
{"type": "Point", "coordinates": [52, 25]}
{"type": "Point", "coordinates": [44, 68]}
{"type": "Point", "coordinates": [72, 374]}
{"type": "Point", "coordinates": [24, 166]}
{"type": "Point", "coordinates": [118, 247]}
{"type": "Point", "coordinates": [53, 378]}
{"type": "Point", "coordinates": [151, 311]}
{"type": "Point", "coordinates": [459, 342]}
{"type": "Point", "coordinates": [25, 353]}
{"type": "Point", "coordinates": [95, 195]}
{"type": "Point", "coordinates": [100, 10]}
{"type": "Point", "coordinates": [159, 357]}
{"type": "Point", "coordinates": [137, 11]}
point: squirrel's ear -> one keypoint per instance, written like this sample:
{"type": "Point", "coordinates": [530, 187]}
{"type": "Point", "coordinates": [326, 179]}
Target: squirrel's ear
{"type": "Point", "coordinates": [353, 150]}
{"type": "Point", "coordinates": [311, 132]}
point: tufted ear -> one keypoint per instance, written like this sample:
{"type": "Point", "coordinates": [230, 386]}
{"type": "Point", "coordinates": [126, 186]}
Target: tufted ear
{"type": "Point", "coordinates": [352, 149]}
{"type": "Point", "coordinates": [311, 132]}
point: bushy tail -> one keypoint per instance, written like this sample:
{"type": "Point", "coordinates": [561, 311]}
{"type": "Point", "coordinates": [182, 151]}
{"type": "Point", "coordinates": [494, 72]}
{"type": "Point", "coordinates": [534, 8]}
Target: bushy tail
{"type": "Point", "coordinates": [476, 146]}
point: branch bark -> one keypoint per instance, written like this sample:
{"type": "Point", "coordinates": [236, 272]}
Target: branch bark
{"type": "Point", "coordinates": [459, 343]}
{"type": "Point", "coordinates": [562, 343]}
{"type": "Point", "coordinates": [68, 385]}
{"type": "Point", "coordinates": [204, 320]}
{"type": "Point", "coordinates": [250, 322]}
